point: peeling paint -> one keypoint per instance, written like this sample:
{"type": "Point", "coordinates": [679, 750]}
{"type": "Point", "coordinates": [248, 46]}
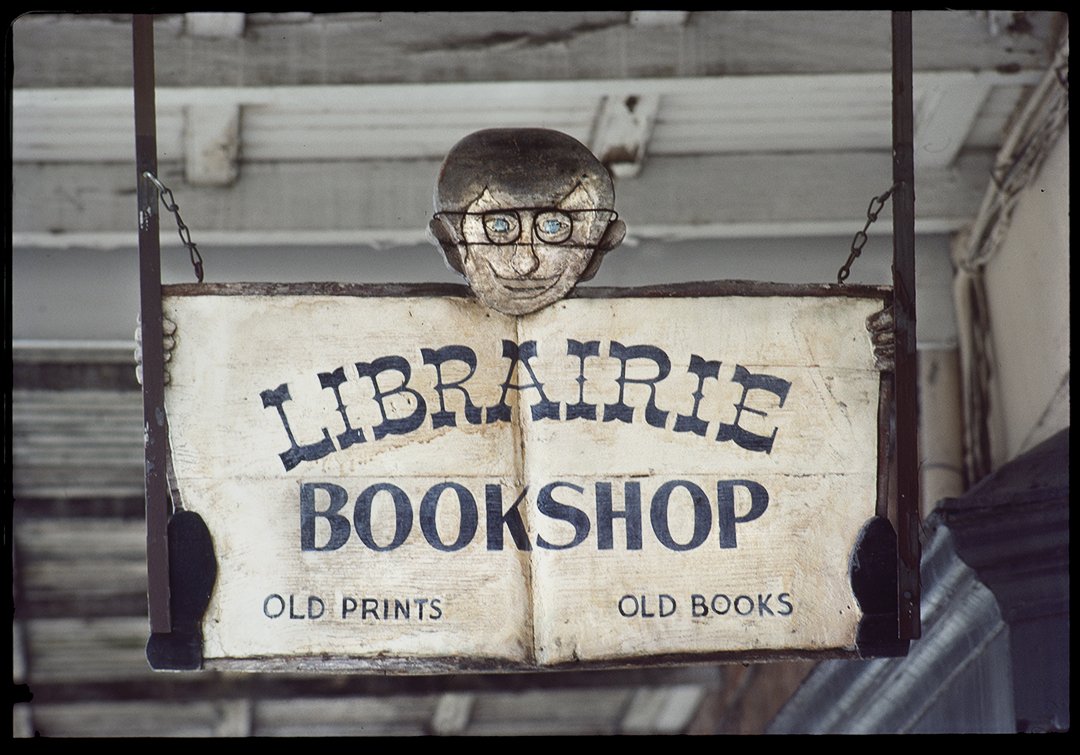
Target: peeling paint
{"type": "Point", "coordinates": [505, 39]}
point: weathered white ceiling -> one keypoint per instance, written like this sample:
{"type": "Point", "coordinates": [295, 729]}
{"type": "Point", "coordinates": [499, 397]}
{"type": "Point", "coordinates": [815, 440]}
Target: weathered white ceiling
{"type": "Point", "coordinates": [698, 116]}
{"type": "Point", "coordinates": [718, 124]}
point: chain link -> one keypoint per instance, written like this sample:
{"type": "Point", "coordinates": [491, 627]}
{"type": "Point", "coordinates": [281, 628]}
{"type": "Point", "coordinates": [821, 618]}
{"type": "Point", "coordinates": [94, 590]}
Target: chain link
{"type": "Point", "coordinates": [169, 201]}
{"type": "Point", "coordinates": [872, 211]}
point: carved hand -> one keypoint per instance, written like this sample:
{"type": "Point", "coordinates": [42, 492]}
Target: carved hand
{"type": "Point", "coordinates": [168, 341]}
{"type": "Point", "coordinates": [880, 325]}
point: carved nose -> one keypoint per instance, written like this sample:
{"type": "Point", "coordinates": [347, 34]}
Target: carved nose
{"type": "Point", "coordinates": [524, 259]}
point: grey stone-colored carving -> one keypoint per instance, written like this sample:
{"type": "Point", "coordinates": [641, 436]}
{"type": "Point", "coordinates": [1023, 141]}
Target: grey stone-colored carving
{"type": "Point", "coordinates": [524, 214]}
{"type": "Point", "coordinates": [882, 328]}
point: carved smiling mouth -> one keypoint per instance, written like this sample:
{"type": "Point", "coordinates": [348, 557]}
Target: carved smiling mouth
{"type": "Point", "coordinates": [525, 287]}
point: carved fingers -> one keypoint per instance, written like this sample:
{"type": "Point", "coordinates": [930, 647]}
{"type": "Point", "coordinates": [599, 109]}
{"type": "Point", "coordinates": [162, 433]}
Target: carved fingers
{"type": "Point", "coordinates": [880, 325]}
{"type": "Point", "coordinates": [168, 343]}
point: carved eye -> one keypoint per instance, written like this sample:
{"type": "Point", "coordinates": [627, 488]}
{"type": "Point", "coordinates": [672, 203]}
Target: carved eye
{"type": "Point", "coordinates": [553, 227]}
{"type": "Point", "coordinates": [501, 227]}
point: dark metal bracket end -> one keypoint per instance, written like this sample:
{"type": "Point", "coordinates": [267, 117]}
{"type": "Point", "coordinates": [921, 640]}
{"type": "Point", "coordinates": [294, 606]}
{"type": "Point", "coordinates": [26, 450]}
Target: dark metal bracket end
{"type": "Point", "coordinates": [192, 573]}
{"type": "Point", "coordinates": [874, 581]}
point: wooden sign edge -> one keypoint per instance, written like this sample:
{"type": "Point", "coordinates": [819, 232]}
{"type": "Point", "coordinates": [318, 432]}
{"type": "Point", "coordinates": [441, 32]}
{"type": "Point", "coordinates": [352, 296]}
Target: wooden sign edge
{"type": "Point", "coordinates": [687, 290]}
{"type": "Point", "coordinates": [434, 665]}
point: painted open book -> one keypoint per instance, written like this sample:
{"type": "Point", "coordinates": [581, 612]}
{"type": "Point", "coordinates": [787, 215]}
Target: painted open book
{"type": "Point", "coordinates": [400, 478]}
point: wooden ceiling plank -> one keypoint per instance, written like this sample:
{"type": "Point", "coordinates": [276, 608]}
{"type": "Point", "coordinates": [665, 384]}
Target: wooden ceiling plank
{"type": "Point", "coordinates": [945, 114]}
{"type": "Point", "coordinates": [211, 144]}
{"type": "Point", "coordinates": [452, 713]}
{"type": "Point", "coordinates": [494, 94]}
{"type": "Point", "coordinates": [214, 25]}
{"type": "Point", "coordinates": [359, 202]}
{"type": "Point", "coordinates": [411, 47]}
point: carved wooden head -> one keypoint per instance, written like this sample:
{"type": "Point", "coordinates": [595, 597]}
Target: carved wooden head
{"type": "Point", "coordinates": [524, 214]}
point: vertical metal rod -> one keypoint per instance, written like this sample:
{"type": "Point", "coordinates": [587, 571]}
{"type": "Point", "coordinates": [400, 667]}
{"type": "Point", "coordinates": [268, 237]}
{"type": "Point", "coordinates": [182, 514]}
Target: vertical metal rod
{"type": "Point", "coordinates": [905, 376]}
{"type": "Point", "coordinates": [154, 431]}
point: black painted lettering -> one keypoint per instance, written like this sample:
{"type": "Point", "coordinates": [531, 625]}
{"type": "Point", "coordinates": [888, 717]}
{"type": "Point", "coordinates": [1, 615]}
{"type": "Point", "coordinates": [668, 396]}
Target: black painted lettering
{"type": "Point", "coordinates": [645, 613]}
{"type": "Point", "coordinates": [666, 604]}
{"type": "Point", "coordinates": [542, 409]}
{"type": "Point", "coordinates": [784, 599]}
{"type": "Point", "coordinates": [437, 358]}
{"type": "Point", "coordinates": [698, 608]}
{"type": "Point", "coordinates": [296, 453]}
{"type": "Point", "coordinates": [468, 516]}
{"type": "Point", "coordinates": [420, 603]}
{"type": "Point", "coordinates": [292, 608]}
{"type": "Point", "coordinates": [398, 425]}
{"type": "Point", "coordinates": [748, 604]}
{"type": "Point", "coordinates": [333, 380]}
{"type": "Point", "coordinates": [401, 609]}
{"type": "Point", "coordinates": [339, 525]}
{"type": "Point", "coordinates": [726, 604]}
{"type": "Point", "coordinates": [403, 518]}
{"type": "Point", "coordinates": [621, 410]}
{"type": "Point", "coordinates": [692, 423]}
{"type": "Point", "coordinates": [315, 602]}
{"type": "Point", "coordinates": [750, 381]}
{"type": "Point", "coordinates": [549, 507]}
{"type": "Point", "coordinates": [581, 410]}
{"type": "Point", "coordinates": [497, 519]}
{"type": "Point", "coordinates": [633, 606]}
{"type": "Point", "coordinates": [278, 604]}
{"type": "Point", "coordinates": [658, 512]}
{"type": "Point", "coordinates": [369, 606]}
{"type": "Point", "coordinates": [348, 605]}
{"type": "Point", "coordinates": [763, 604]}
{"type": "Point", "coordinates": [631, 513]}
{"type": "Point", "coordinates": [436, 609]}
{"type": "Point", "coordinates": [725, 507]}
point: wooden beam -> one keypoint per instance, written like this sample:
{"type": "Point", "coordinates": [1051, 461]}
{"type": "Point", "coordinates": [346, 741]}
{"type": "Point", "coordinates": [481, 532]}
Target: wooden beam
{"type": "Point", "coordinates": [947, 112]}
{"type": "Point", "coordinates": [698, 115]}
{"type": "Point", "coordinates": [661, 710]}
{"type": "Point", "coordinates": [234, 718]}
{"type": "Point", "coordinates": [658, 17]}
{"type": "Point", "coordinates": [211, 144]}
{"type": "Point", "coordinates": [284, 49]}
{"type": "Point", "coordinates": [452, 713]}
{"type": "Point", "coordinates": [389, 202]}
{"type": "Point", "coordinates": [214, 25]}
{"type": "Point", "coordinates": [621, 132]}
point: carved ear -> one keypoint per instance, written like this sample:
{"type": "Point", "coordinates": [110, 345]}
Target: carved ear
{"type": "Point", "coordinates": [612, 237]}
{"type": "Point", "coordinates": [442, 235]}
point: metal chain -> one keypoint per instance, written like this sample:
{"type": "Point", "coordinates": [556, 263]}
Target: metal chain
{"type": "Point", "coordinates": [857, 243]}
{"type": "Point", "coordinates": [181, 227]}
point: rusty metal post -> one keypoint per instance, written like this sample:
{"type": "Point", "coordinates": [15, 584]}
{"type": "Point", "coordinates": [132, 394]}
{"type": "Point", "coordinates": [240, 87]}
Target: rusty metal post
{"type": "Point", "coordinates": [154, 431]}
{"type": "Point", "coordinates": [905, 376]}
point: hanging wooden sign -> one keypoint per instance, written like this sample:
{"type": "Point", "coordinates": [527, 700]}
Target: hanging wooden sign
{"type": "Point", "coordinates": [403, 479]}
